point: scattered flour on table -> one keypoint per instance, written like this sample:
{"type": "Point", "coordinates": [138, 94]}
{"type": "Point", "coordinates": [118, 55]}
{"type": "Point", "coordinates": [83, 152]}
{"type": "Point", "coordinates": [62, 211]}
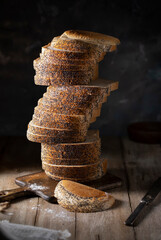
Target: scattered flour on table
{"type": "Point", "coordinates": [8, 213]}
{"type": "Point", "coordinates": [62, 214]}
{"type": "Point", "coordinates": [34, 186]}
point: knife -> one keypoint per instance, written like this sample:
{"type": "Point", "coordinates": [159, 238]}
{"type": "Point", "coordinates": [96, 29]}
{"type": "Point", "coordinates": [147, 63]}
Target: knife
{"type": "Point", "coordinates": [148, 198]}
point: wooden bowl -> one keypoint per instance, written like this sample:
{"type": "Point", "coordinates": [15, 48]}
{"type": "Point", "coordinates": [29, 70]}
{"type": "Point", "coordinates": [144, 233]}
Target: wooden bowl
{"type": "Point", "coordinates": [145, 132]}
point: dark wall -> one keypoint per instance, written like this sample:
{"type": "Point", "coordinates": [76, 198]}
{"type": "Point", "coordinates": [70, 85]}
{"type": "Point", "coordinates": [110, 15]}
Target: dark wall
{"type": "Point", "coordinates": [28, 25]}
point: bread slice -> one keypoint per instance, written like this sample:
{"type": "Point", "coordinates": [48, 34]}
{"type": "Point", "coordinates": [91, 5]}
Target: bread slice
{"type": "Point", "coordinates": [64, 43]}
{"type": "Point", "coordinates": [47, 80]}
{"type": "Point", "coordinates": [49, 123]}
{"type": "Point", "coordinates": [86, 152]}
{"type": "Point", "coordinates": [41, 65]}
{"type": "Point", "coordinates": [53, 52]}
{"type": "Point", "coordinates": [69, 102]}
{"type": "Point", "coordinates": [76, 197]}
{"type": "Point", "coordinates": [43, 118]}
{"type": "Point", "coordinates": [36, 129]}
{"type": "Point", "coordinates": [68, 61]}
{"type": "Point", "coordinates": [64, 77]}
{"type": "Point", "coordinates": [79, 94]}
{"type": "Point", "coordinates": [57, 138]}
{"type": "Point", "coordinates": [70, 108]}
{"type": "Point", "coordinates": [77, 91]}
{"type": "Point", "coordinates": [101, 40]}
{"type": "Point", "coordinates": [49, 119]}
{"type": "Point", "coordinates": [48, 73]}
{"type": "Point", "coordinates": [73, 45]}
{"type": "Point", "coordinates": [76, 161]}
{"type": "Point", "coordinates": [61, 121]}
{"type": "Point", "coordinates": [66, 114]}
{"type": "Point", "coordinates": [74, 99]}
{"type": "Point", "coordinates": [80, 173]}
{"type": "Point", "coordinates": [60, 74]}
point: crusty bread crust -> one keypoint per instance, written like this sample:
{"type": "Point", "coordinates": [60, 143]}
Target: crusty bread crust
{"type": "Point", "coordinates": [53, 52]}
{"type": "Point", "coordinates": [40, 138]}
{"type": "Point", "coordinates": [92, 37]}
{"type": "Point", "coordinates": [80, 173]}
{"type": "Point", "coordinates": [77, 197]}
{"type": "Point", "coordinates": [55, 81]}
{"type": "Point", "coordinates": [73, 153]}
{"type": "Point", "coordinates": [42, 65]}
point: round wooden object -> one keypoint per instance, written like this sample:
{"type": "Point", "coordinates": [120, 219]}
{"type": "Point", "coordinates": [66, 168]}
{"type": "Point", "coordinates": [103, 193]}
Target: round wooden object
{"type": "Point", "coordinates": [145, 132]}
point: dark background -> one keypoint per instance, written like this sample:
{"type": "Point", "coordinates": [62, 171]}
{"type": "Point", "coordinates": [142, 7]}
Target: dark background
{"type": "Point", "coordinates": [25, 26]}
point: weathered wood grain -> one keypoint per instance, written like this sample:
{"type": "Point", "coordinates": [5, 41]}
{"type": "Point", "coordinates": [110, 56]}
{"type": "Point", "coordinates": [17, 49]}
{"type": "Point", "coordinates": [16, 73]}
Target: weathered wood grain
{"type": "Point", "coordinates": [137, 164]}
{"type": "Point", "coordinates": [55, 217]}
{"type": "Point", "coordinates": [108, 224]}
{"type": "Point", "coordinates": [19, 158]}
{"type": "Point", "coordinates": [143, 164]}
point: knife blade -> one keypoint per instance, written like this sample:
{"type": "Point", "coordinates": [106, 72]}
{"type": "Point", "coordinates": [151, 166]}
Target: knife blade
{"type": "Point", "coordinates": [148, 198]}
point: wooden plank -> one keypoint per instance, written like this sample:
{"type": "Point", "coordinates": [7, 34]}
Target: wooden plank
{"type": "Point", "coordinates": [19, 158]}
{"type": "Point", "coordinates": [143, 167]}
{"type": "Point", "coordinates": [108, 224]}
{"type": "Point", "coordinates": [55, 217]}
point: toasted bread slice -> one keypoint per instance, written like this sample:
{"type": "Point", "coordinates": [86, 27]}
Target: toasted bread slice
{"type": "Point", "coordinates": [76, 197]}
{"type": "Point", "coordinates": [73, 45]}
{"type": "Point", "coordinates": [56, 138]}
{"type": "Point", "coordinates": [61, 121]}
{"type": "Point", "coordinates": [42, 65]}
{"type": "Point", "coordinates": [101, 40]}
{"type": "Point", "coordinates": [59, 61]}
{"type": "Point", "coordinates": [47, 81]}
{"type": "Point", "coordinates": [64, 43]}
{"type": "Point", "coordinates": [73, 153]}
{"type": "Point", "coordinates": [78, 173]}
{"type": "Point", "coordinates": [37, 129]}
{"type": "Point", "coordinates": [53, 52]}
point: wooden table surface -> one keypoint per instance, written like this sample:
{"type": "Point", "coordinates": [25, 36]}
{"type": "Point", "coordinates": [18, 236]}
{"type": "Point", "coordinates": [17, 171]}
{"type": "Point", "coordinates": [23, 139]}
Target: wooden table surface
{"type": "Point", "coordinates": [137, 164]}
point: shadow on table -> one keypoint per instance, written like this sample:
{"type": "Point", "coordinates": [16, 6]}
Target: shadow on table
{"type": "Point", "coordinates": [20, 154]}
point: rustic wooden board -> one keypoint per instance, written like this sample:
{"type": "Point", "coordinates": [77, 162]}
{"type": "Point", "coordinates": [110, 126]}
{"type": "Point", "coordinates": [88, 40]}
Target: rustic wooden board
{"type": "Point", "coordinates": [108, 224]}
{"type": "Point", "coordinates": [137, 164]}
{"type": "Point", "coordinates": [43, 186]}
{"type": "Point", "coordinates": [55, 217]}
{"type": "Point", "coordinates": [143, 164]}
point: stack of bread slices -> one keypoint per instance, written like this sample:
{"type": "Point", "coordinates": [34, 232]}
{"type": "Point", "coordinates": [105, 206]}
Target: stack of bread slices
{"type": "Point", "coordinates": [74, 97]}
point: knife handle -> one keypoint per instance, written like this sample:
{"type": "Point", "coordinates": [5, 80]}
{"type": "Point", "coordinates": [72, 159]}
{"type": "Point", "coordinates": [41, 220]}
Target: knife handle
{"type": "Point", "coordinates": [135, 213]}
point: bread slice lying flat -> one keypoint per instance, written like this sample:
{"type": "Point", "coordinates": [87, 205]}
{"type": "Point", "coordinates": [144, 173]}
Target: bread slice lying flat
{"type": "Point", "coordinates": [68, 61]}
{"type": "Point", "coordinates": [55, 137]}
{"type": "Point", "coordinates": [87, 152]}
{"type": "Point", "coordinates": [99, 39]}
{"type": "Point", "coordinates": [80, 173]}
{"type": "Point", "coordinates": [53, 52]}
{"type": "Point", "coordinates": [76, 197]}
{"type": "Point", "coordinates": [41, 64]}
{"type": "Point", "coordinates": [57, 80]}
{"type": "Point", "coordinates": [75, 45]}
